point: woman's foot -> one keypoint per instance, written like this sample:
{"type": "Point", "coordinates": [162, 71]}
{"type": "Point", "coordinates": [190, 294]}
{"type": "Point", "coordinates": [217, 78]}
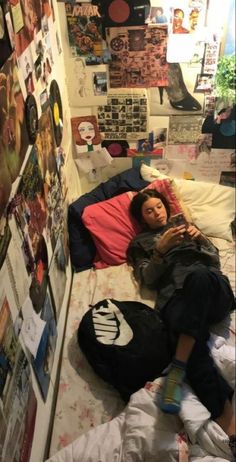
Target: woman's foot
{"type": "Point", "coordinates": [172, 392]}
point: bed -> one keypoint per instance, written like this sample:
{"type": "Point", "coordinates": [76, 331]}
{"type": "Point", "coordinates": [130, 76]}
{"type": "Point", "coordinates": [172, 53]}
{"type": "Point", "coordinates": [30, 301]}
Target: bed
{"type": "Point", "coordinates": [92, 423]}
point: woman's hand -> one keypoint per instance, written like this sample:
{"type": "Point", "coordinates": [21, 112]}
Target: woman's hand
{"type": "Point", "coordinates": [170, 238]}
{"type": "Point", "coordinates": [193, 232]}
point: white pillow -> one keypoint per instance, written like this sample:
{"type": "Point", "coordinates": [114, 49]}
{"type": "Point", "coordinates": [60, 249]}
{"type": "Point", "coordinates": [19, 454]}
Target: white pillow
{"type": "Point", "coordinates": [212, 206]}
{"type": "Point", "coordinates": [150, 173]}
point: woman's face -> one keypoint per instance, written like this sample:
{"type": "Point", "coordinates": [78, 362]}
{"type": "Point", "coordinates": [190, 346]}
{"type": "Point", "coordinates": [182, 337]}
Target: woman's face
{"type": "Point", "coordinates": [86, 131]}
{"type": "Point", "coordinates": [154, 213]}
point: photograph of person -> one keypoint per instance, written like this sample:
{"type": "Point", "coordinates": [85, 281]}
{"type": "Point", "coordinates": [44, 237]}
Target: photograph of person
{"type": "Point", "coordinates": [204, 83]}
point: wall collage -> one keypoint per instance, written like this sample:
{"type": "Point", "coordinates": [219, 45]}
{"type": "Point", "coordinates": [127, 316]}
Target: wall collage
{"type": "Point", "coordinates": [138, 77]}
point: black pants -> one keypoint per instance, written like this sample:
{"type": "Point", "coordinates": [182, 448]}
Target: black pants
{"type": "Point", "coordinates": [206, 298]}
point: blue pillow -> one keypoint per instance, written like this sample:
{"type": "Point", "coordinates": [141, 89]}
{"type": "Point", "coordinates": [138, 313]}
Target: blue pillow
{"type": "Point", "coordinates": [82, 247]}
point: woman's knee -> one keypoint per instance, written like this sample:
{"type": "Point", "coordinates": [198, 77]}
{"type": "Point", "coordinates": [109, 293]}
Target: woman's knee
{"type": "Point", "coordinates": [200, 280]}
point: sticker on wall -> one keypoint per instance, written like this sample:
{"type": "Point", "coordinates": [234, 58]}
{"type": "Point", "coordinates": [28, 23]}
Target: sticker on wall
{"type": "Point", "coordinates": [57, 114]}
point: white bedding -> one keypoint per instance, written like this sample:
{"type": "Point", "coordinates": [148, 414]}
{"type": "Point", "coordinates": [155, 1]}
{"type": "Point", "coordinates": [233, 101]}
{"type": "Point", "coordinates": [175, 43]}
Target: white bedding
{"type": "Point", "coordinates": [85, 401]}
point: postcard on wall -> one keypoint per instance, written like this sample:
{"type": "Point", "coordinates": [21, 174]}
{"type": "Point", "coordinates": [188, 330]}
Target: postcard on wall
{"type": "Point", "coordinates": [187, 17]}
{"type": "Point", "coordinates": [57, 276]}
{"type": "Point", "coordinates": [43, 362]}
{"type": "Point", "coordinates": [87, 85]}
{"type": "Point", "coordinates": [159, 12]}
{"type": "Point", "coordinates": [138, 56]}
{"type": "Point", "coordinates": [211, 56]}
{"type": "Point", "coordinates": [204, 83]}
{"type": "Point", "coordinates": [151, 145]}
{"type": "Point", "coordinates": [18, 415]}
{"type": "Point", "coordinates": [85, 32]}
{"type": "Point", "coordinates": [185, 129]}
{"type": "Point", "coordinates": [125, 116]}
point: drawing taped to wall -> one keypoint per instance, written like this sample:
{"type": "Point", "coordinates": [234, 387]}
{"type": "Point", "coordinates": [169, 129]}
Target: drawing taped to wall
{"type": "Point", "coordinates": [86, 133]}
{"type": "Point", "coordinates": [87, 86]}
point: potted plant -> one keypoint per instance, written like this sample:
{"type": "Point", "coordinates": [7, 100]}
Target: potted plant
{"type": "Point", "coordinates": [225, 78]}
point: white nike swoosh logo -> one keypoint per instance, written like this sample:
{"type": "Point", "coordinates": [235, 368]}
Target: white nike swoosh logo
{"type": "Point", "coordinates": [110, 325]}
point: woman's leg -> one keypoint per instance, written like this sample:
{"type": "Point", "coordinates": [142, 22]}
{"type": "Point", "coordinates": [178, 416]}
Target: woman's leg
{"type": "Point", "coordinates": [205, 298]}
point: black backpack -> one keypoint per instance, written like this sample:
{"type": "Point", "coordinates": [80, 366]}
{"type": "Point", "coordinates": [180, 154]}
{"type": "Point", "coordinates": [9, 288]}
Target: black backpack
{"type": "Point", "coordinates": [125, 342]}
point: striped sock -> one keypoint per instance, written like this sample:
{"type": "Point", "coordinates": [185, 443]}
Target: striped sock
{"type": "Point", "coordinates": [172, 391]}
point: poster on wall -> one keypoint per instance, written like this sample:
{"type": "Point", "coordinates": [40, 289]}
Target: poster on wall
{"type": "Point", "coordinates": [85, 32]}
{"type": "Point", "coordinates": [6, 44]}
{"type": "Point", "coordinates": [86, 85]}
{"type": "Point", "coordinates": [184, 130]}
{"type": "Point", "coordinates": [138, 56]}
{"type": "Point", "coordinates": [30, 11]}
{"type": "Point", "coordinates": [217, 167]}
{"type": "Point", "coordinates": [18, 414]}
{"type": "Point", "coordinates": [13, 133]}
{"type": "Point", "coordinates": [43, 362]}
{"type": "Point", "coordinates": [178, 97]}
{"type": "Point", "coordinates": [17, 399]}
{"type": "Point", "coordinates": [125, 116]}
{"type": "Point", "coordinates": [57, 276]}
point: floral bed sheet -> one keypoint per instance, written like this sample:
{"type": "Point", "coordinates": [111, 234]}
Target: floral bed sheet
{"type": "Point", "coordinates": [84, 400]}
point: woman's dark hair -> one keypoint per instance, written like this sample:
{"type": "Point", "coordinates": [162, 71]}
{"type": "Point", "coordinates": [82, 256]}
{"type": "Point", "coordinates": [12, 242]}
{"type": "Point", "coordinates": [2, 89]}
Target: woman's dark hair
{"type": "Point", "coordinates": [141, 198]}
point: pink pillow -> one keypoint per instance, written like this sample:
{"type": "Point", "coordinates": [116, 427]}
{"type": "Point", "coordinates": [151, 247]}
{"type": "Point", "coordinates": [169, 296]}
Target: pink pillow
{"type": "Point", "coordinates": [112, 226]}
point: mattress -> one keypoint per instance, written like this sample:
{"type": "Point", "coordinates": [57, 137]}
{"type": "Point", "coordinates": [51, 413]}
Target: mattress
{"type": "Point", "coordinates": [84, 400]}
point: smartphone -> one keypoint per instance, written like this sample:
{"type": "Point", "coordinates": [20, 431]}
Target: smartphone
{"type": "Point", "coordinates": [178, 219]}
